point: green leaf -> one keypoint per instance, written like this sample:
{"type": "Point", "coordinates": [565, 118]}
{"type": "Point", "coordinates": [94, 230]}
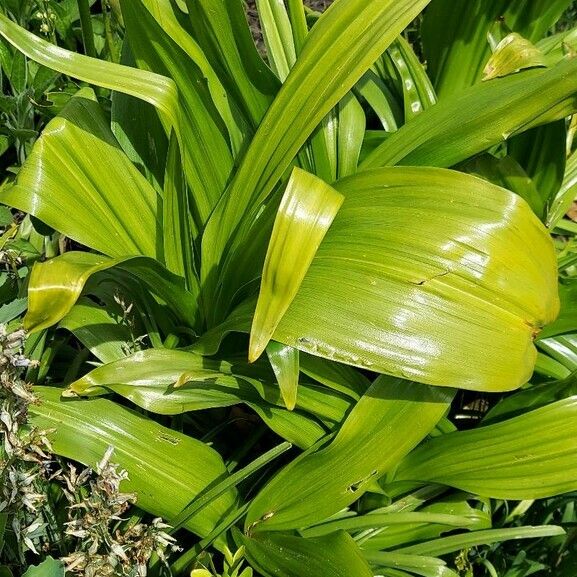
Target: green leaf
{"type": "Point", "coordinates": [55, 286]}
{"type": "Point", "coordinates": [65, 169]}
{"type": "Point", "coordinates": [278, 36]}
{"type": "Point", "coordinates": [280, 555]}
{"type": "Point", "coordinates": [11, 310]}
{"type": "Point", "coordinates": [541, 152]}
{"type": "Point", "coordinates": [207, 159]}
{"type": "Point", "coordinates": [430, 306]}
{"type": "Point", "coordinates": [166, 468]}
{"type": "Point", "coordinates": [417, 90]}
{"type": "Point", "coordinates": [171, 382]}
{"type": "Point", "coordinates": [317, 485]}
{"type": "Point", "coordinates": [307, 210]}
{"type": "Point", "coordinates": [153, 88]}
{"type": "Point", "coordinates": [420, 565]}
{"type": "Point", "coordinates": [528, 457]}
{"type": "Point", "coordinates": [475, 119]}
{"type": "Point", "coordinates": [48, 568]}
{"type": "Point", "coordinates": [353, 33]}
{"type": "Point", "coordinates": [567, 193]}
{"type": "Point", "coordinates": [97, 329]}
{"type": "Point", "coordinates": [512, 54]}
{"type": "Point", "coordinates": [285, 364]}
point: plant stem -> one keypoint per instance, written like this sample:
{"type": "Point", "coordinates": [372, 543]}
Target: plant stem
{"type": "Point", "coordinates": [86, 24]}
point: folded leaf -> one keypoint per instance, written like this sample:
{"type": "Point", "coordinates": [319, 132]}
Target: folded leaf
{"type": "Point", "coordinates": [307, 210]}
{"type": "Point", "coordinates": [476, 281]}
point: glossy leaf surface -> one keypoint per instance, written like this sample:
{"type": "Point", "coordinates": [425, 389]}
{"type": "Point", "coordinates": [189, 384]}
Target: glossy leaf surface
{"type": "Point", "coordinates": [307, 209]}
{"type": "Point", "coordinates": [280, 555]}
{"type": "Point", "coordinates": [317, 485]}
{"type": "Point", "coordinates": [60, 173]}
{"type": "Point", "coordinates": [432, 306]}
{"type": "Point", "coordinates": [528, 457]}
{"type": "Point", "coordinates": [158, 460]}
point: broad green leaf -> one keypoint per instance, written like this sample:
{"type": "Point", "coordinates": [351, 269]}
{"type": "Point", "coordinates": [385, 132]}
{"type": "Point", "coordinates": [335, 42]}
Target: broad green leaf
{"type": "Point", "coordinates": [512, 54]}
{"type": "Point", "coordinates": [153, 88]}
{"type": "Point", "coordinates": [207, 160]}
{"type": "Point", "coordinates": [48, 568]}
{"type": "Point", "coordinates": [314, 486]}
{"type": "Point", "coordinates": [352, 33]}
{"type": "Point", "coordinates": [454, 35]}
{"type": "Point", "coordinates": [172, 382]}
{"type": "Point", "coordinates": [279, 555]}
{"type": "Point", "coordinates": [479, 117]}
{"type": "Point", "coordinates": [71, 182]}
{"type": "Point", "coordinates": [453, 543]}
{"type": "Point", "coordinates": [285, 364]}
{"type": "Point", "coordinates": [12, 309]}
{"type": "Point", "coordinates": [166, 468]}
{"type": "Point", "coordinates": [97, 329]}
{"type": "Point", "coordinates": [307, 210]}
{"type": "Point", "coordinates": [478, 281]}
{"type": "Point", "coordinates": [528, 457]}
{"type": "Point", "coordinates": [55, 286]}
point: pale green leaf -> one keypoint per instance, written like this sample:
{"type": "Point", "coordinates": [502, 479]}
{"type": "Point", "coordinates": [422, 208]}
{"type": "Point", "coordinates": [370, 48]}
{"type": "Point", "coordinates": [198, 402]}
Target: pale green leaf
{"type": "Point", "coordinates": [278, 36]}
{"type": "Point", "coordinates": [77, 163]}
{"type": "Point", "coordinates": [392, 415]}
{"type": "Point", "coordinates": [335, 555]}
{"type": "Point", "coordinates": [166, 468]}
{"type": "Point", "coordinates": [307, 210]}
{"type": "Point", "coordinates": [530, 456]}
{"type": "Point", "coordinates": [512, 54]}
{"type": "Point", "coordinates": [55, 286]}
{"type": "Point", "coordinates": [285, 364]}
{"type": "Point", "coordinates": [477, 281]}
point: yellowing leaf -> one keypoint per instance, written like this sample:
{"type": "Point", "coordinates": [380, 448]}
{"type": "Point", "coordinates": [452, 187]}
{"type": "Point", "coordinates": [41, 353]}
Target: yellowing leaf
{"type": "Point", "coordinates": [512, 54]}
{"type": "Point", "coordinates": [307, 210]}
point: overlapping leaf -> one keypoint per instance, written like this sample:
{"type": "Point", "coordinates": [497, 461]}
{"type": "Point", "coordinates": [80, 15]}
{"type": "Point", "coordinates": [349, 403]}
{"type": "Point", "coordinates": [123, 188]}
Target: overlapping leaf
{"type": "Point", "coordinates": [477, 282]}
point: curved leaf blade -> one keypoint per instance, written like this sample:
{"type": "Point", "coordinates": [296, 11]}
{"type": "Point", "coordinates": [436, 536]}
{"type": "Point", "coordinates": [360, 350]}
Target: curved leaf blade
{"type": "Point", "coordinates": [479, 280]}
{"type": "Point", "coordinates": [528, 457]}
{"type": "Point", "coordinates": [317, 485]}
{"type": "Point", "coordinates": [65, 170]}
{"type": "Point", "coordinates": [159, 461]}
{"type": "Point", "coordinates": [307, 209]}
